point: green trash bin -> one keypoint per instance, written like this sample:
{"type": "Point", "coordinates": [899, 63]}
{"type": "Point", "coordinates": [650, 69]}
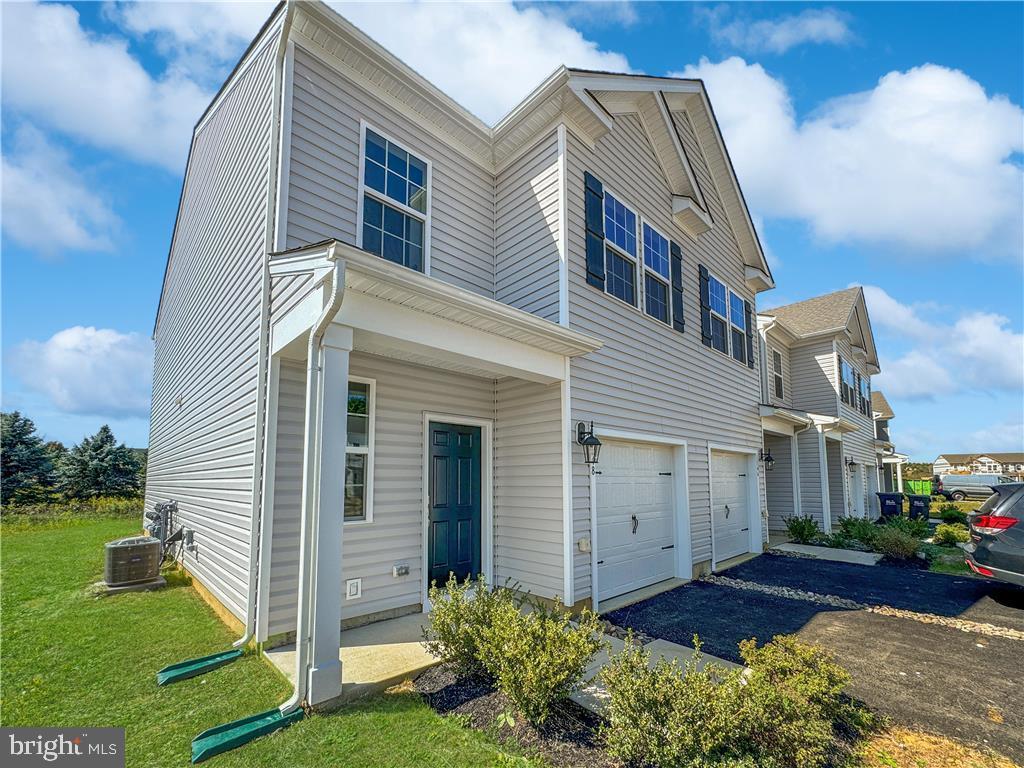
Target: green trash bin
{"type": "Point", "coordinates": [919, 505]}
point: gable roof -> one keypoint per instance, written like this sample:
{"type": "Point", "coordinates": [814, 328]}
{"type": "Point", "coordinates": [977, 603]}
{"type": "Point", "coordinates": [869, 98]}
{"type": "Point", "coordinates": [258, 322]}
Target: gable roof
{"type": "Point", "coordinates": [880, 406]}
{"type": "Point", "coordinates": [967, 458]}
{"type": "Point", "coordinates": [833, 313]}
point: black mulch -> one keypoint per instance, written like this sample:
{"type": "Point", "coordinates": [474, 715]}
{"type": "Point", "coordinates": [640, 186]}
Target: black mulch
{"type": "Point", "coordinates": [908, 588]}
{"type": "Point", "coordinates": [567, 738]}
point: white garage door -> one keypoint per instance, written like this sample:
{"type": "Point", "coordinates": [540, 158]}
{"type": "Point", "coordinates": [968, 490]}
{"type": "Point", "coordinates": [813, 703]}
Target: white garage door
{"type": "Point", "coordinates": [635, 517]}
{"type": "Point", "coordinates": [729, 504]}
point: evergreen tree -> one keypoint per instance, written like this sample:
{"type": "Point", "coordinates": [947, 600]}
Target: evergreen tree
{"type": "Point", "coordinates": [98, 466]}
{"type": "Point", "coordinates": [27, 466]}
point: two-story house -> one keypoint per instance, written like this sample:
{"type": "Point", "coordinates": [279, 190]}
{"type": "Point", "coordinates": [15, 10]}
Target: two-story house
{"type": "Point", "coordinates": [817, 416]}
{"type": "Point", "coordinates": [890, 463]}
{"type": "Point", "coordinates": [390, 337]}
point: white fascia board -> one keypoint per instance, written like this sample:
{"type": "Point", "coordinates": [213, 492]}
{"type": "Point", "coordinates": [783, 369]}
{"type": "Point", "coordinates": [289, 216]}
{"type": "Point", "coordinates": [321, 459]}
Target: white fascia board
{"type": "Point", "coordinates": [690, 216]}
{"type": "Point", "coordinates": [601, 81]}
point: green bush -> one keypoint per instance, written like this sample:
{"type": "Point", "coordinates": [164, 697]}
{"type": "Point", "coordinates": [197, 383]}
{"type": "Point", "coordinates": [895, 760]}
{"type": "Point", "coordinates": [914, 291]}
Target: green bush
{"type": "Point", "coordinates": [951, 513]}
{"type": "Point", "coordinates": [858, 528]}
{"type": "Point", "coordinates": [459, 614]}
{"type": "Point", "coordinates": [950, 534]}
{"type": "Point", "coordinates": [779, 713]}
{"type": "Point", "coordinates": [802, 530]}
{"type": "Point", "coordinates": [101, 506]}
{"type": "Point", "coordinates": [896, 543]}
{"type": "Point", "coordinates": [538, 658]}
{"type": "Point", "coordinates": [918, 527]}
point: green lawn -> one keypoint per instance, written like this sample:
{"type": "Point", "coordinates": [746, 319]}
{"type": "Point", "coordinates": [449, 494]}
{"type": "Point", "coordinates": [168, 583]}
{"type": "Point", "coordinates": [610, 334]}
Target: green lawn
{"type": "Point", "coordinates": [68, 658]}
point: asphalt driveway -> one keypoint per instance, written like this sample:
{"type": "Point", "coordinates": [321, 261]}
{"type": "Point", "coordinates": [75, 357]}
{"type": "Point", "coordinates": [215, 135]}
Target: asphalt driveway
{"type": "Point", "coordinates": [934, 677]}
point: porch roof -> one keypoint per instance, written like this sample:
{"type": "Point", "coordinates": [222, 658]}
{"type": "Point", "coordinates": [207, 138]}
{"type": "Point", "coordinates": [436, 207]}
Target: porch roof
{"type": "Point", "coordinates": [398, 312]}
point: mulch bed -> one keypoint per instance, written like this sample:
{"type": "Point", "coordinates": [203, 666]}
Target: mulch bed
{"type": "Point", "coordinates": [568, 738]}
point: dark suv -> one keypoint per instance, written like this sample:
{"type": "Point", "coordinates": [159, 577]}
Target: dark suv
{"type": "Point", "coordinates": [996, 548]}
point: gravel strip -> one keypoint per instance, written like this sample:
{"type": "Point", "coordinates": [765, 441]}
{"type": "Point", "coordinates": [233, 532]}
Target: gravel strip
{"type": "Point", "coordinates": [980, 628]}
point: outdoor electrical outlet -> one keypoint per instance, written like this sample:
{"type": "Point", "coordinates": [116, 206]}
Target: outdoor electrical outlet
{"type": "Point", "coordinates": [400, 569]}
{"type": "Point", "coordinates": [584, 545]}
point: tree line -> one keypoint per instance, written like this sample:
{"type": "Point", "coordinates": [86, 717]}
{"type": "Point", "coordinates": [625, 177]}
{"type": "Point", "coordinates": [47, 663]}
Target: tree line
{"type": "Point", "coordinates": [35, 471]}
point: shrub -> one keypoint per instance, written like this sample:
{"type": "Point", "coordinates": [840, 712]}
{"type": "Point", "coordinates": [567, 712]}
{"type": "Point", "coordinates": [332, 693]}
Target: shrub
{"type": "Point", "coordinates": [459, 614]}
{"type": "Point", "coordinates": [858, 528]}
{"type": "Point", "coordinates": [538, 658]}
{"type": "Point", "coordinates": [950, 534]}
{"type": "Point", "coordinates": [779, 713]}
{"type": "Point", "coordinates": [102, 506]}
{"type": "Point", "coordinates": [918, 528]}
{"type": "Point", "coordinates": [803, 530]}
{"type": "Point", "coordinates": [896, 543]}
{"type": "Point", "coordinates": [951, 513]}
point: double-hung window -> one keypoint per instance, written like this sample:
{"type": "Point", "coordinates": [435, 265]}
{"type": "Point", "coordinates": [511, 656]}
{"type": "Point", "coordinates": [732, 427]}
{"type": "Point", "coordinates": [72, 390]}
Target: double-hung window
{"type": "Point", "coordinates": [864, 383]}
{"type": "Point", "coordinates": [620, 250]}
{"type": "Point", "coordinates": [395, 202]}
{"type": "Point", "coordinates": [777, 373]}
{"type": "Point", "coordinates": [718, 301]}
{"type": "Point", "coordinates": [738, 320]}
{"type": "Point", "coordinates": [656, 274]}
{"type": "Point", "coordinates": [359, 451]}
{"type": "Point", "coordinates": [847, 383]}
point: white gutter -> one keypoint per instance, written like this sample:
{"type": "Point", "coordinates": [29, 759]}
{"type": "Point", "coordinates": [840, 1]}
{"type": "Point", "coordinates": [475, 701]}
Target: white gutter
{"type": "Point", "coordinates": [263, 369]}
{"type": "Point", "coordinates": [309, 513]}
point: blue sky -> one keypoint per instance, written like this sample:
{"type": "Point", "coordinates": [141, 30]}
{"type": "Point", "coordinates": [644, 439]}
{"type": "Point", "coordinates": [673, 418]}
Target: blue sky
{"type": "Point", "coordinates": [877, 144]}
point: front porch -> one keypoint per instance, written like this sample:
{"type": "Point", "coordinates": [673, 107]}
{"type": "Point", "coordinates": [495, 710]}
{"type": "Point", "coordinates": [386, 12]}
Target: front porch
{"type": "Point", "coordinates": [450, 454]}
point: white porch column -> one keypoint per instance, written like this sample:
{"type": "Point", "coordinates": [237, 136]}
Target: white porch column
{"type": "Point", "coordinates": [329, 467]}
{"type": "Point", "coordinates": [899, 476]}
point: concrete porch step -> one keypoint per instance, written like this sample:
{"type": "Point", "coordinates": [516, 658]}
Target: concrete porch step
{"type": "Point", "coordinates": [830, 553]}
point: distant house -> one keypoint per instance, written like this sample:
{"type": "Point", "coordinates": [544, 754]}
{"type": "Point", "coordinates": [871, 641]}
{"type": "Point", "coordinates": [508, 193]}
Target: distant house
{"type": "Point", "coordinates": [1010, 464]}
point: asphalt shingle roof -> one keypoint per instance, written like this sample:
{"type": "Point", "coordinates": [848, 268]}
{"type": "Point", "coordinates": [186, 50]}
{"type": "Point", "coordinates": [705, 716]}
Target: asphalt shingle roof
{"type": "Point", "coordinates": [881, 406]}
{"type": "Point", "coordinates": [967, 458]}
{"type": "Point", "coordinates": [830, 312]}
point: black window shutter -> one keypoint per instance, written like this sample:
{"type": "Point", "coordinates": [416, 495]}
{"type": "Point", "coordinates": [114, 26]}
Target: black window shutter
{"type": "Point", "coordinates": [705, 306]}
{"type": "Point", "coordinates": [749, 317]}
{"type": "Point", "coordinates": [593, 202]}
{"type": "Point", "coordinates": [676, 253]}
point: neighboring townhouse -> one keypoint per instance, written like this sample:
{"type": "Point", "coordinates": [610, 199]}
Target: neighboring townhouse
{"type": "Point", "coordinates": [387, 329]}
{"type": "Point", "coordinates": [1009, 464]}
{"type": "Point", "coordinates": [890, 463]}
{"type": "Point", "coordinates": [816, 412]}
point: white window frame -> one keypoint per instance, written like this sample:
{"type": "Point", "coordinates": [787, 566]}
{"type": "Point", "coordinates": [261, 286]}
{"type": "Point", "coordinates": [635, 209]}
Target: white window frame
{"type": "Point", "coordinates": [364, 190]}
{"type": "Point", "coordinates": [368, 451]}
{"type": "Point", "coordinates": [777, 374]}
{"type": "Point", "coordinates": [644, 269]}
{"type": "Point", "coordinates": [637, 266]}
{"type": "Point", "coordinates": [728, 306]}
{"type": "Point", "coordinates": [715, 313]}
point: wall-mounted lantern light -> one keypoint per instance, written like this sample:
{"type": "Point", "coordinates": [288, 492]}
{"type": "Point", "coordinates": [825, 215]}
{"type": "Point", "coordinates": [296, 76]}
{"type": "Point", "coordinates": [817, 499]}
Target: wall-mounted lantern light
{"type": "Point", "coordinates": [850, 462]}
{"type": "Point", "coordinates": [588, 440]}
{"type": "Point", "coordinates": [766, 457]}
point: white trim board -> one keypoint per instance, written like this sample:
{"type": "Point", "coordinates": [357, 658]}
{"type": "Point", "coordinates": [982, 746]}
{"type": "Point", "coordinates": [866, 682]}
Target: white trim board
{"type": "Point", "coordinates": [486, 494]}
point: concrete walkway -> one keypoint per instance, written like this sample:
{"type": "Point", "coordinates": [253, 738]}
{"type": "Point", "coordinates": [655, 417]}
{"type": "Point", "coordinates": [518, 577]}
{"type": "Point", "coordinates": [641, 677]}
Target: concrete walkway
{"type": "Point", "coordinates": [831, 553]}
{"type": "Point", "coordinates": [373, 657]}
{"type": "Point", "coordinates": [594, 696]}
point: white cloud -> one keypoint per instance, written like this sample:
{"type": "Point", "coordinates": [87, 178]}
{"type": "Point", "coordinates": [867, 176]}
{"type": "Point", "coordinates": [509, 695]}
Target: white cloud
{"type": "Point", "coordinates": [924, 161]}
{"type": "Point", "coordinates": [978, 352]}
{"type": "Point", "coordinates": [95, 371]}
{"type": "Point", "coordinates": [486, 56]}
{"type": "Point", "coordinates": [1008, 436]}
{"type": "Point", "coordinates": [92, 88]}
{"type": "Point", "coordinates": [814, 25]}
{"type": "Point", "coordinates": [47, 204]}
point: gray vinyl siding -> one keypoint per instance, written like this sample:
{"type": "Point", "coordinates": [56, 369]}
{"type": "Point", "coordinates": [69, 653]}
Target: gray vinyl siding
{"type": "Point", "coordinates": [811, 492]}
{"type": "Point", "coordinates": [774, 345]}
{"type": "Point", "coordinates": [779, 482]}
{"type": "Point", "coordinates": [205, 368]}
{"type": "Point", "coordinates": [323, 176]}
{"type": "Point", "coordinates": [860, 445]}
{"type": "Point", "coordinates": [528, 487]}
{"type": "Point", "coordinates": [648, 377]}
{"type": "Point", "coordinates": [814, 377]}
{"type": "Point", "coordinates": [526, 230]}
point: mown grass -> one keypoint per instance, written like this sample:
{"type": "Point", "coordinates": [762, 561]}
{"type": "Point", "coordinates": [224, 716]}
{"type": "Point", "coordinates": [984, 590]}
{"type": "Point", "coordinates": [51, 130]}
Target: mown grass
{"type": "Point", "coordinates": [69, 658]}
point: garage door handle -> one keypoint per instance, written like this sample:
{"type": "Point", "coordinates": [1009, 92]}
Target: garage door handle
{"type": "Point", "coordinates": [665, 474]}
{"type": "Point", "coordinates": [600, 562]}
{"type": "Point", "coordinates": [635, 523]}
{"type": "Point", "coordinates": [670, 546]}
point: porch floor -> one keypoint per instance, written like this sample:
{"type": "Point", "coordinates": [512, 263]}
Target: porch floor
{"type": "Point", "coordinates": [373, 657]}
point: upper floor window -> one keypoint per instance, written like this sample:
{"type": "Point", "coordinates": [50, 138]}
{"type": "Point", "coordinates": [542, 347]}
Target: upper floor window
{"type": "Point", "coordinates": [359, 451]}
{"type": "Point", "coordinates": [738, 319]}
{"type": "Point", "coordinates": [718, 301]}
{"type": "Point", "coordinates": [656, 273]}
{"type": "Point", "coordinates": [395, 202]}
{"type": "Point", "coordinates": [847, 383]}
{"type": "Point", "coordinates": [777, 373]}
{"type": "Point", "coordinates": [620, 250]}
{"type": "Point", "coordinates": [864, 383]}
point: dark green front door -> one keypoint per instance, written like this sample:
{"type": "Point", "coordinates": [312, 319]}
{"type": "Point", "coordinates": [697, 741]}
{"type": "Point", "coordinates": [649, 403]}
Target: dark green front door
{"type": "Point", "coordinates": [455, 514]}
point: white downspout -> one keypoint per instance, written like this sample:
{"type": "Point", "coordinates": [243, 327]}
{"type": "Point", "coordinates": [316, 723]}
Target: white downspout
{"type": "Point", "coordinates": [307, 555]}
{"type": "Point", "coordinates": [263, 371]}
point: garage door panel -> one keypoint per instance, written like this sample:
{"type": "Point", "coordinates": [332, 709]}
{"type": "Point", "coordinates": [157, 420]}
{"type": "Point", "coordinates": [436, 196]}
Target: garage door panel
{"type": "Point", "coordinates": [634, 480]}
